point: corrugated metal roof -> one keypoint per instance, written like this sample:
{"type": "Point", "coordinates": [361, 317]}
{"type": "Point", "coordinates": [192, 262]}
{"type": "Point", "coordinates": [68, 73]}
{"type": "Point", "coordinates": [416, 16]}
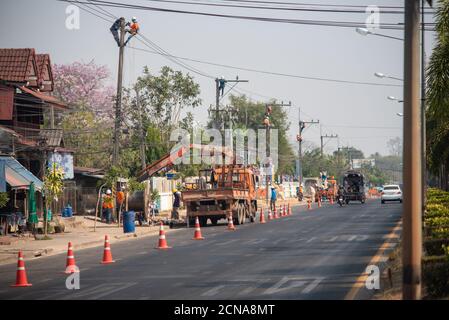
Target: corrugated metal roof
{"type": "Point", "coordinates": [17, 176]}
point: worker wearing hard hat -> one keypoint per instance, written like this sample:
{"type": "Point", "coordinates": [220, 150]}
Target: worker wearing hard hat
{"type": "Point", "coordinates": [133, 29]}
{"type": "Point", "coordinates": [221, 85]}
{"type": "Point", "coordinates": [176, 204]}
{"type": "Point", "coordinates": [108, 204]}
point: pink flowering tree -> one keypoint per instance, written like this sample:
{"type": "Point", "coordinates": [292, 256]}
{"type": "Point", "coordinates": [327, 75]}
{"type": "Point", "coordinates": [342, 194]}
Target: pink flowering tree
{"type": "Point", "coordinates": [84, 86]}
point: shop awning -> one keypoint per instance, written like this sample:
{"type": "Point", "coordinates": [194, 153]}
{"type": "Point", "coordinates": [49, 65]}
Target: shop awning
{"type": "Point", "coordinates": [17, 176]}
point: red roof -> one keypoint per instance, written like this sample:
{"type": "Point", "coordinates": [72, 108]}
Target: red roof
{"type": "Point", "coordinates": [45, 72]}
{"type": "Point", "coordinates": [18, 65]}
{"type": "Point", "coordinates": [45, 97]}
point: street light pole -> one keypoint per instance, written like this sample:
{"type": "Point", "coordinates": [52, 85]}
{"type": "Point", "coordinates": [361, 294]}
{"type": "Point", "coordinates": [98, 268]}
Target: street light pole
{"type": "Point", "coordinates": [412, 176]}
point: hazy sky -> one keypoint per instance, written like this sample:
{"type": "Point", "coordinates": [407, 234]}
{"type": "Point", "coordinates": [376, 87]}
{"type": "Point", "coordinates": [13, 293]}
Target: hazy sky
{"type": "Point", "coordinates": [315, 51]}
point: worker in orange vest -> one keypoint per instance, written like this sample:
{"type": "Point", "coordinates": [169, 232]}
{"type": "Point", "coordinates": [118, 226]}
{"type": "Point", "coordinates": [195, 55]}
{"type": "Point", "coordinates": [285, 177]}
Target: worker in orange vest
{"type": "Point", "coordinates": [133, 29]}
{"type": "Point", "coordinates": [108, 204]}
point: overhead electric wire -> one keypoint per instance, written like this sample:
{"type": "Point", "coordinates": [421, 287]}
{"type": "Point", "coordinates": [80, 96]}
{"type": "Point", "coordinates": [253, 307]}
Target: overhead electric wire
{"type": "Point", "coordinates": [278, 73]}
{"type": "Point", "coordinates": [390, 26]}
{"type": "Point", "coordinates": [266, 7]}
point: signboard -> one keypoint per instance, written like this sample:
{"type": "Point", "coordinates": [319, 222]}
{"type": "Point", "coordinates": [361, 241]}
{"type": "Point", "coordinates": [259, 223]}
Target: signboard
{"type": "Point", "coordinates": [62, 160]}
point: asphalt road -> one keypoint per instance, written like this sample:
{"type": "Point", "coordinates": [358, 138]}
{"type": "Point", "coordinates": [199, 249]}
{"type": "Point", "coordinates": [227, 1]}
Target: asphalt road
{"type": "Point", "coordinates": [317, 254]}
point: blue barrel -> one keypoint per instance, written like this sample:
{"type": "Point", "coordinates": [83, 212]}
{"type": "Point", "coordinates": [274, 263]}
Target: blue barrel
{"type": "Point", "coordinates": [67, 212]}
{"type": "Point", "coordinates": [128, 221]}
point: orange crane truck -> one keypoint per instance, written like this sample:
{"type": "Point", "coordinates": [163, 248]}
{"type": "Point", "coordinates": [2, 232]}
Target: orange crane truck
{"type": "Point", "coordinates": [222, 191]}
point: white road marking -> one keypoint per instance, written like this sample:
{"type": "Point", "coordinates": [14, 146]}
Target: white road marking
{"type": "Point", "coordinates": [213, 291]}
{"type": "Point", "coordinates": [311, 239]}
{"type": "Point", "coordinates": [256, 241]}
{"type": "Point", "coordinates": [352, 238]}
{"type": "Point", "coordinates": [226, 242]}
{"type": "Point", "coordinates": [292, 282]}
{"type": "Point", "coordinates": [332, 239]}
{"type": "Point", "coordinates": [312, 285]}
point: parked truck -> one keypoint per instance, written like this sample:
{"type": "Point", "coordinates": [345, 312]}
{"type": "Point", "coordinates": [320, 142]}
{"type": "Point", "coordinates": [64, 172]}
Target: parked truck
{"type": "Point", "coordinates": [354, 187]}
{"type": "Point", "coordinates": [220, 193]}
{"type": "Point", "coordinates": [223, 191]}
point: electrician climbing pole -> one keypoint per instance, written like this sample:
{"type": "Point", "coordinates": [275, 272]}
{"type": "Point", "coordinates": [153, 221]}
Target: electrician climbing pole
{"type": "Point", "coordinates": [119, 25]}
{"type": "Point", "coordinates": [118, 30]}
{"type": "Point", "coordinates": [220, 84]}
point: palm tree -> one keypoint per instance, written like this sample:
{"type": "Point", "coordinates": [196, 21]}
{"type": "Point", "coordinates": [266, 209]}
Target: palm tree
{"type": "Point", "coordinates": [437, 97]}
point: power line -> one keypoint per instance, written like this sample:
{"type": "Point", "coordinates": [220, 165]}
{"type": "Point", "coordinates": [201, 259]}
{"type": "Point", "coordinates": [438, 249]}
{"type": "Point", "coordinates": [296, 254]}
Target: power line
{"type": "Point", "coordinates": [346, 24]}
{"type": "Point", "coordinates": [276, 73]}
{"type": "Point", "coordinates": [264, 6]}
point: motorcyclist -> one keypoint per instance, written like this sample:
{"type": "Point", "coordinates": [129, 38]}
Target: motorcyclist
{"type": "Point", "coordinates": [340, 195]}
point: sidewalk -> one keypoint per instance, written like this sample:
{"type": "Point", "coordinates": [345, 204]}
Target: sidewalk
{"type": "Point", "coordinates": [82, 236]}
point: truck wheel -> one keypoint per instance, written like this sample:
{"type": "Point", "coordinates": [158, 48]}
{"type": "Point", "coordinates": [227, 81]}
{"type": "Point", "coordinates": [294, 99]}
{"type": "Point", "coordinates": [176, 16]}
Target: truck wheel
{"type": "Point", "coordinates": [203, 221]}
{"type": "Point", "coordinates": [347, 201]}
{"type": "Point", "coordinates": [242, 214]}
{"type": "Point", "coordinates": [214, 221]}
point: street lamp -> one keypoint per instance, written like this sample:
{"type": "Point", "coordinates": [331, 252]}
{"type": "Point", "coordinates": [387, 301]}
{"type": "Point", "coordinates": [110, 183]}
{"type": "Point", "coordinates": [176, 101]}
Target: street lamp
{"type": "Point", "coordinates": [383, 75]}
{"type": "Point", "coordinates": [365, 32]}
{"type": "Point", "coordinates": [394, 99]}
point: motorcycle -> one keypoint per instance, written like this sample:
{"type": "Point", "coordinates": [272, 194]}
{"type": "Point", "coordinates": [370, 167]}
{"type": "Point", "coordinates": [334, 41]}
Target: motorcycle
{"type": "Point", "coordinates": [340, 200]}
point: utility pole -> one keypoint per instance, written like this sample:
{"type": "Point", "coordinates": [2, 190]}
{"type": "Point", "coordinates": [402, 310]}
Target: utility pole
{"type": "Point", "coordinates": [141, 131]}
{"type": "Point", "coordinates": [328, 137]}
{"type": "Point", "coordinates": [412, 175]}
{"type": "Point", "coordinates": [118, 104]}
{"type": "Point", "coordinates": [267, 123]}
{"type": "Point", "coordinates": [423, 110]}
{"type": "Point", "coordinates": [216, 123]}
{"type": "Point", "coordinates": [301, 127]}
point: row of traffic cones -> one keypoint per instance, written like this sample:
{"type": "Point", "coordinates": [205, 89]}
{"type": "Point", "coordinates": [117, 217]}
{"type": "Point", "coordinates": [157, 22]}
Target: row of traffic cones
{"type": "Point", "coordinates": [21, 277]}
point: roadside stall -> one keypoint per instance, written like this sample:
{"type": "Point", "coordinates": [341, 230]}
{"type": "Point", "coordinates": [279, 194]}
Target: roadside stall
{"type": "Point", "coordinates": [24, 193]}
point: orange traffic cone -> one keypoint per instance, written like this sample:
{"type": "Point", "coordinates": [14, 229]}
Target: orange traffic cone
{"type": "Point", "coordinates": [231, 224]}
{"type": "Point", "coordinates": [309, 205]}
{"type": "Point", "coordinates": [70, 265]}
{"type": "Point", "coordinates": [21, 276]}
{"type": "Point", "coordinates": [319, 203]}
{"type": "Point", "coordinates": [289, 210]}
{"type": "Point", "coordinates": [331, 200]}
{"type": "Point", "coordinates": [275, 213]}
{"type": "Point", "coordinates": [284, 210]}
{"type": "Point", "coordinates": [162, 241]}
{"type": "Point", "coordinates": [281, 211]}
{"type": "Point", "coordinates": [270, 217]}
{"type": "Point", "coordinates": [262, 216]}
{"type": "Point", "coordinates": [197, 235]}
{"type": "Point", "coordinates": [107, 255]}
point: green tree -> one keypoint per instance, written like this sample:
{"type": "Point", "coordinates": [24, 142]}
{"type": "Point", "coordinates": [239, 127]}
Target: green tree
{"type": "Point", "coordinates": [437, 95]}
{"type": "Point", "coordinates": [248, 114]}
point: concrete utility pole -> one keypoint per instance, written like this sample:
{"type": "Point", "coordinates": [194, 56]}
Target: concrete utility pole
{"type": "Point", "coordinates": [267, 122]}
{"type": "Point", "coordinates": [118, 104]}
{"type": "Point", "coordinates": [423, 110]}
{"type": "Point", "coordinates": [216, 123]}
{"type": "Point", "coordinates": [328, 137]}
{"type": "Point", "coordinates": [301, 126]}
{"type": "Point", "coordinates": [413, 184]}
{"type": "Point", "coordinates": [141, 132]}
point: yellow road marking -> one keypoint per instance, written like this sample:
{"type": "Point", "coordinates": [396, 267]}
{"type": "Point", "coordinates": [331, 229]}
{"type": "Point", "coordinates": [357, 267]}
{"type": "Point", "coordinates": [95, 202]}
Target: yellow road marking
{"type": "Point", "coordinates": [359, 283]}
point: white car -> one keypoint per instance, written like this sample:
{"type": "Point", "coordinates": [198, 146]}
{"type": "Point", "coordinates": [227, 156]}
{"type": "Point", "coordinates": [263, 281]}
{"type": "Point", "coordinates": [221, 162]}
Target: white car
{"type": "Point", "coordinates": [391, 192]}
